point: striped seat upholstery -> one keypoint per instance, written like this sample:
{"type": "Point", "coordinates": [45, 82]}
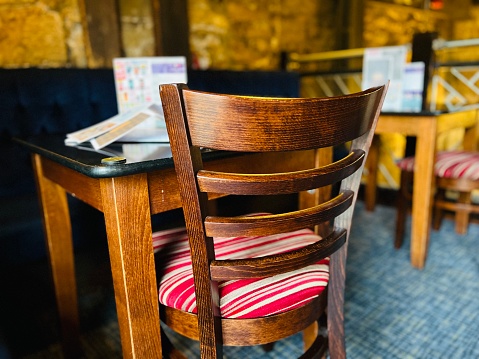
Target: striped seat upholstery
{"type": "Point", "coordinates": [450, 164]}
{"type": "Point", "coordinates": [246, 298]}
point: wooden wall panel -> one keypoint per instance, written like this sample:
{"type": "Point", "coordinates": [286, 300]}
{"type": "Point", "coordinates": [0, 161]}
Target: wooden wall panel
{"type": "Point", "coordinates": [102, 32]}
{"type": "Point", "coordinates": [171, 28]}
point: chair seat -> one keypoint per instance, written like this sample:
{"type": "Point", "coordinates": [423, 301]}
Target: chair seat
{"type": "Point", "coordinates": [245, 298]}
{"type": "Point", "coordinates": [450, 164]}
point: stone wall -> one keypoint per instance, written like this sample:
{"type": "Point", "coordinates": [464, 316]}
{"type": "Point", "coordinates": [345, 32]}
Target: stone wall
{"type": "Point", "coordinates": [45, 33]}
{"type": "Point", "coordinates": [388, 25]}
{"type": "Point", "coordinates": [251, 34]}
{"type": "Point", "coordinates": [137, 28]}
{"type": "Point", "coordinates": [228, 34]}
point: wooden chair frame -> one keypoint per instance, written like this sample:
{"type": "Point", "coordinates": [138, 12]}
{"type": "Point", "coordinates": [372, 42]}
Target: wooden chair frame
{"type": "Point", "coordinates": [197, 120]}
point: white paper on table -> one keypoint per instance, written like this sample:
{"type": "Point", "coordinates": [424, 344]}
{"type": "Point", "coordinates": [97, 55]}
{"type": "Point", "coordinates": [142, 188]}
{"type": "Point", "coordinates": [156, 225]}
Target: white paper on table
{"type": "Point", "coordinates": [146, 120]}
{"type": "Point", "coordinates": [413, 87]}
{"type": "Point", "coordinates": [383, 64]}
{"type": "Point", "coordinates": [137, 79]}
{"type": "Point", "coordinates": [140, 118]}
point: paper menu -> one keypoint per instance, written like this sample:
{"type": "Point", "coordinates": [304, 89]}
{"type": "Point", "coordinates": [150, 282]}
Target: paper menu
{"type": "Point", "coordinates": [140, 114]}
{"type": "Point", "coordinates": [383, 64]}
{"type": "Point", "coordinates": [137, 78]}
{"type": "Point", "coordinates": [127, 127]}
{"type": "Point", "coordinates": [413, 87]}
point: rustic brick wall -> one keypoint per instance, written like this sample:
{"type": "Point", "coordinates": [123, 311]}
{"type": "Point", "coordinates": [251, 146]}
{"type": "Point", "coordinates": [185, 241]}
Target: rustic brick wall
{"type": "Point", "coordinates": [46, 33]}
{"type": "Point", "coordinates": [251, 34]}
{"type": "Point", "coordinates": [225, 34]}
{"type": "Point", "coordinates": [386, 24]}
{"type": "Point", "coordinates": [137, 28]}
{"type": "Point", "coordinates": [228, 34]}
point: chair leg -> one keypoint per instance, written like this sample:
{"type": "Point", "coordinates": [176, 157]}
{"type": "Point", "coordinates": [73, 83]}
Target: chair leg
{"type": "Point", "coordinates": [335, 306]}
{"type": "Point", "coordinates": [309, 335]}
{"type": "Point", "coordinates": [316, 346]}
{"type": "Point", "coordinates": [462, 215]}
{"type": "Point", "coordinates": [438, 213]}
{"type": "Point", "coordinates": [371, 181]}
{"type": "Point", "coordinates": [268, 347]}
{"type": "Point", "coordinates": [168, 350]}
{"type": "Point", "coordinates": [402, 208]}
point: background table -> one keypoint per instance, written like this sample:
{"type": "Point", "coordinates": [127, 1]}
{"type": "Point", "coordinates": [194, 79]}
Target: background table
{"type": "Point", "coordinates": [425, 127]}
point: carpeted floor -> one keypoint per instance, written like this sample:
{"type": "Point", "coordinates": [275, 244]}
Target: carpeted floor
{"type": "Point", "coordinates": [392, 310]}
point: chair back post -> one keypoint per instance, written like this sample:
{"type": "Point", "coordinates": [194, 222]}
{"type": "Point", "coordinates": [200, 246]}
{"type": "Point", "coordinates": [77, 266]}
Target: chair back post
{"type": "Point", "coordinates": [187, 164]}
{"type": "Point", "coordinates": [337, 269]}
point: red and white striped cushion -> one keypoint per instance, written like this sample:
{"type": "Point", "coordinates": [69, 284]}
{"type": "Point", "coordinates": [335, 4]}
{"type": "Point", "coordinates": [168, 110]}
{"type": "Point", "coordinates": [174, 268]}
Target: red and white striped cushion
{"type": "Point", "coordinates": [450, 164]}
{"type": "Point", "coordinates": [249, 298]}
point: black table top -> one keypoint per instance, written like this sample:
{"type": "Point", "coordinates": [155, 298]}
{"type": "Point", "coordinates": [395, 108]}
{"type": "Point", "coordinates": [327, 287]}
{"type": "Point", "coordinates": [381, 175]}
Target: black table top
{"type": "Point", "coordinates": [140, 157]}
{"type": "Point", "coordinates": [421, 113]}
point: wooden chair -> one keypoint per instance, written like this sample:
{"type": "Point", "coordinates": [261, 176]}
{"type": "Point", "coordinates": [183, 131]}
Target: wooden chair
{"type": "Point", "coordinates": [456, 172]}
{"type": "Point", "coordinates": [257, 278]}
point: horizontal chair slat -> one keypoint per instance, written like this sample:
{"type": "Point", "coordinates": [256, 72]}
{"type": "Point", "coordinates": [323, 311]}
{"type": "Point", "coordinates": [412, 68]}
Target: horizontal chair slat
{"type": "Point", "coordinates": [262, 225]}
{"type": "Point", "coordinates": [219, 121]}
{"type": "Point", "coordinates": [455, 206]}
{"type": "Point", "coordinates": [280, 183]}
{"type": "Point", "coordinates": [278, 263]}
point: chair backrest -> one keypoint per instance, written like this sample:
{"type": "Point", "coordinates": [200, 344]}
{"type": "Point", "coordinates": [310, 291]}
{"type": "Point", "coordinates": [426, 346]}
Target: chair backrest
{"type": "Point", "coordinates": [199, 120]}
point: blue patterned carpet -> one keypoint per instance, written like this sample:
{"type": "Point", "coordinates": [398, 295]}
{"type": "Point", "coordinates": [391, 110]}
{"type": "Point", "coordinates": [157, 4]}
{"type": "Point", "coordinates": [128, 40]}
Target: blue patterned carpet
{"type": "Point", "coordinates": [392, 310]}
{"type": "Point", "coordinates": [395, 311]}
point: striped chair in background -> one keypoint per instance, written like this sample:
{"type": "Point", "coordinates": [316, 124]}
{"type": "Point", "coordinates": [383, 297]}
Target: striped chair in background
{"type": "Point", "coordinates": [457, 177]}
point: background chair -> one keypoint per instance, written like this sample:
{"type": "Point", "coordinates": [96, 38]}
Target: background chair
{"type": "Point", "coordinates": [258, 278]}
{"type": "Point", "coordinates": [457, 176]}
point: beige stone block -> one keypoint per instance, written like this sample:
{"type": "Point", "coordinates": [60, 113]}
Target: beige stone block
{"type": "Point", "coordinates": [16, 2]}
{"type": "Point", "coordinates": [250, 34]}
{"type": "Point", "coordinates": [31, 36]}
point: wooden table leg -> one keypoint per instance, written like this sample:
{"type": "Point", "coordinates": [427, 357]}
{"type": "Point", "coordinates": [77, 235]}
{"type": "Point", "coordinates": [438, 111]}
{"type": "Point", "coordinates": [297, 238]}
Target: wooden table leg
{"type": "Point", "coordinates": [423, 191]}
{"type": "Point", "coordinates": [126, 208]}
{"type": "Point", "coordinates": [372, 162]}
{"type": "Point", "coordinates": [471, 136]}
{"type": "Point", "coordinates": [58, 235]}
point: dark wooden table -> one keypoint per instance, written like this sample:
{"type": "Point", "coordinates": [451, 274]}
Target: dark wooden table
{"type": "Point", "coordinates": [128, 194]}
